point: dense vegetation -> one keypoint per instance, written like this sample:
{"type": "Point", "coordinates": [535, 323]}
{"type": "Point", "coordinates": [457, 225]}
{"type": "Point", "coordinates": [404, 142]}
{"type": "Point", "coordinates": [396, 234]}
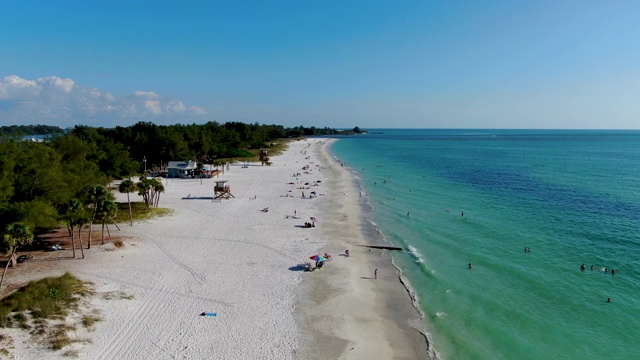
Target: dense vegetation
{"type": "Point", "coordinates": [38, 181]}
{"type": "Point", "coordinates": [23, 130]}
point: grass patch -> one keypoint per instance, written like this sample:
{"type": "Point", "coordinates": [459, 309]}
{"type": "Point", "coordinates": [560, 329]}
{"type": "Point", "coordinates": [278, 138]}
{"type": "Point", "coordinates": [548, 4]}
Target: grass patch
{"type": "Point", "coordinates": [278, 147]}
{"type": "Point", "coordinates": [116, 295]}
{"type": "Point", "coordinates": [55, 311]}
{"type": "Point", "coordinates": [49, 298]}
{"type": "Point", "coordinates": [6, 343]}
{"type": "Point", "coordinates": [59, 336]}
{"type": "Point", "coordinates": [274, 148]}
{"type": "Point", "coordinates": [139, 211]}
{"type": "Point", "coordinates": [72, 353]}
{"type": "Point", "coordinates": [89, 321]}
{"type": "Point", "coordinates": [41, 304]}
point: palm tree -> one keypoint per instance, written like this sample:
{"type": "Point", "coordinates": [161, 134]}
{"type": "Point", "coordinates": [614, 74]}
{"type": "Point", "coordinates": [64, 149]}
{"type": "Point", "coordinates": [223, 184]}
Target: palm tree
{"type": "Point", "coordinates": [200, 169]}
{"type": "Point", "coordinates": [80, 222]}
{"type": "Point", "coordinates": [97, 196]}
{"type": "Point", "coordinates": [16, 235]}
{"type": "Point", "coordinates": [73, 214]}
{"type": "Point", "coordinates": [150, 190]}
{"type": "Point", "coordinates": [106, 211]}
{"type": "Point", "coordinates": [128, 186]}
{"type": "Point", "coordinates": [157, 189]}
{"type": "Point", "coordinates": [218, 163]}
{"type": "Point", "coordinates": [144, 188]}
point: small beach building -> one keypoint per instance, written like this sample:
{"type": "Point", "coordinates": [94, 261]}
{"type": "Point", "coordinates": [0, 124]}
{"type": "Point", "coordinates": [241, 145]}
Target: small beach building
{"type": "Point", "coordinates": [181, 169]}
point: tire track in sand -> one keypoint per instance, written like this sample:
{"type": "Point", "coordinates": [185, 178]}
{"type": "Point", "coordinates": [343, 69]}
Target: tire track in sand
{"type": "Point", "coordinates": [123, 343]}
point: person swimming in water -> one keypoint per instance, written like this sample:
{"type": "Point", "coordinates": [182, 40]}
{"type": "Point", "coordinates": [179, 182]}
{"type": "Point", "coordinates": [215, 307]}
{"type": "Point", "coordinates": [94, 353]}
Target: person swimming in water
{"type": "Point", "coordinates": [583, 267]}
{"type": "Point", "coordinates": [470, 266]}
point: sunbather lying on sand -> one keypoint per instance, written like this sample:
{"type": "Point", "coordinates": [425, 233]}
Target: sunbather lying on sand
{"type": "Point", "coordinates": [309, 266]}
{"type": "Point", "coordinates": [265, 209]}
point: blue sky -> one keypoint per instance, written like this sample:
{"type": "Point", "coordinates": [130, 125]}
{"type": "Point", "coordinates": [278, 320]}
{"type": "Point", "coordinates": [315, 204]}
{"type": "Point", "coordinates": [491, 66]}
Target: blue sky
{"type": "Point", "coordinates": [373, 64]}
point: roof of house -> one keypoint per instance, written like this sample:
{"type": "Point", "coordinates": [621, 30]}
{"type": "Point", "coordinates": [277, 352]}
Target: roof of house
{"type": "Point", "coordinates": [183, 165]}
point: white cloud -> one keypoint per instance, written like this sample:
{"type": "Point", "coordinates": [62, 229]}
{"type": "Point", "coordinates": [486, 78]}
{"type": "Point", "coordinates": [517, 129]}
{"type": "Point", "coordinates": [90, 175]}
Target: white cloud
{"type": "Point", "coordinates": [13, 87]}
{"type": "Point", "coordinates": [145, 94]}
{"type": "Point", "coordinates": [57, 101]}
{"type": "Point", "coordinates": [153, 106]}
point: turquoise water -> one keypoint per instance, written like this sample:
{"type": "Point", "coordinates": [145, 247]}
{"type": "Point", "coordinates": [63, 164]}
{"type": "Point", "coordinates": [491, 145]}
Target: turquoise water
{"type": "Point", "coordinates": [573, 197]}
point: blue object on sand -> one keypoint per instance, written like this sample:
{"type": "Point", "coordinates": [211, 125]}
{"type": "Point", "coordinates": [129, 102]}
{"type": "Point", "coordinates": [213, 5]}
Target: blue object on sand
{"type": "Point", "coordinates": [208, 314]}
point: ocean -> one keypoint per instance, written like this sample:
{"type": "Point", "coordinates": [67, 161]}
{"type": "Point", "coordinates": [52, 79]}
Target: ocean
{"type": "Point", "coordinates": [455, 197]}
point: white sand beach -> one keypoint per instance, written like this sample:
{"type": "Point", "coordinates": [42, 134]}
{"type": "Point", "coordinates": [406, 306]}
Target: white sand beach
{"type": "Point", "coordinates": [230, 258]}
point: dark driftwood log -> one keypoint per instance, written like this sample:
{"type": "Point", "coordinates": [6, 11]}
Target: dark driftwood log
{"type": "Point", "coordinates": [382, 247]}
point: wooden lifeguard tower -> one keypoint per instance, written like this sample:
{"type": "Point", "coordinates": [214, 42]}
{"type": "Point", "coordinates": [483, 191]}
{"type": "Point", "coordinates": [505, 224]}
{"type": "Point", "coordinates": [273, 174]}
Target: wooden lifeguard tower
{"type": "Point", "coordinates": [222, 190]}
{"type": "Point", "coordinates": [264, 158]}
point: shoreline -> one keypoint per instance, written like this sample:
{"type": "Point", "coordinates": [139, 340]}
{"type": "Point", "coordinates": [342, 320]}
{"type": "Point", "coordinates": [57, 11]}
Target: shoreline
{"type": "Point", "coordinates": [378, 328]}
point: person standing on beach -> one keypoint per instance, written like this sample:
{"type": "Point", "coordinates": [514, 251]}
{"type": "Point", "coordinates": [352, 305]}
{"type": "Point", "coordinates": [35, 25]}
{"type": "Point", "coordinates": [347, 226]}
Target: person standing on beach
{"type": "Point", "coordinates": [375, 274]}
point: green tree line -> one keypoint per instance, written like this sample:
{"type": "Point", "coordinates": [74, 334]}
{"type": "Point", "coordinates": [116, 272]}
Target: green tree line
{"type": "Point", "coordinates": [23, 130]}
{"type": "Point", "coordinates": [38, 180]}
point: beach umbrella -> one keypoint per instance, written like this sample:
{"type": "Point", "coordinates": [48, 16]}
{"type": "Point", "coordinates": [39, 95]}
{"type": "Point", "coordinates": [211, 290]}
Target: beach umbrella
{"type": "Point", "coordinates": [313, 218]}
{"type": "Point", "coordinates": [316, 258]}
